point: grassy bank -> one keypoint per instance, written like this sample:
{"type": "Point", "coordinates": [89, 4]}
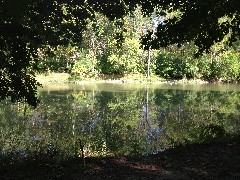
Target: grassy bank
{"type": "Point", "coordinates": [135, 78]}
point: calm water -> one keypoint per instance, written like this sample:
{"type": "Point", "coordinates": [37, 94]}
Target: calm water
{"type": "Point", "coordinates": [118, 119]}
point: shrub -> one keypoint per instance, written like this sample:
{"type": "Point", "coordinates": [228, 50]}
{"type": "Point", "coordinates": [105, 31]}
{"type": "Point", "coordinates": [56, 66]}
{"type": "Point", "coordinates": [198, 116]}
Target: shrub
{"type": "Point", "coordinates": [85, 66]}
{"type": "Point", "coordinates": [224, 66]}
{"type": "Point", "coordinates": [170, 66]}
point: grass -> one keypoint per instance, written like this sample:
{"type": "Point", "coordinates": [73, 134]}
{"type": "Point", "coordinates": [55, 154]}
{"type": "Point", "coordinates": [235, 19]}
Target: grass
{"type": "Point", "coordinates": [130, 78]}
{"type": "Point", "coordinates": [53, 77]}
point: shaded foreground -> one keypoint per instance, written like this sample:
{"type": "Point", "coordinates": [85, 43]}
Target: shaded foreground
{"type": "Point", "coordinates": [205, 161]}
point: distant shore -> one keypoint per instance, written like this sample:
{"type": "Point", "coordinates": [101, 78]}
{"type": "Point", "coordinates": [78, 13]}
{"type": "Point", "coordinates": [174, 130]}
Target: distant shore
{"type": "Point", "coordinates": [66, 78]}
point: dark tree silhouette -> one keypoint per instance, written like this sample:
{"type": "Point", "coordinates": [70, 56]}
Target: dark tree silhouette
{"type": "Point", "coordinates": [203, 22]}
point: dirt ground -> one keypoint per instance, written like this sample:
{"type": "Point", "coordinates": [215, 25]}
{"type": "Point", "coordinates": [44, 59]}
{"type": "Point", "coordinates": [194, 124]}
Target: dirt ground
{"type": "Point", "coordinates": [205, 161]}
{"type": "Point", "coordinates": [209, 161]}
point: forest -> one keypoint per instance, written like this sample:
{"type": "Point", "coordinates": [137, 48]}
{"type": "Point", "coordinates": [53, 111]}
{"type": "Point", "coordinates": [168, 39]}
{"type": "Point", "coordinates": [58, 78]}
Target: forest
{"type": "Point", "coordinates": [172, 40]}
{"type": "Point", "coordinates": [100, 54]}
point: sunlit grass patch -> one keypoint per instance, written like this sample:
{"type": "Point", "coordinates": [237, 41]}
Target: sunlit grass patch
{"type": "Point", "coordinates": [53, 77]}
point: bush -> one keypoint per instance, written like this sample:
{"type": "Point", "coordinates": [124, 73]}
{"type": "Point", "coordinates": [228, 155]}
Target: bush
{"type": "Point", "coordinates": [85, 66]}
{"type": "Point", "coordinates": [230, 65]}
{"type": "Point", "coordinates": [170, 67]}
{"type": "Point", "coordinates": [224, 66]}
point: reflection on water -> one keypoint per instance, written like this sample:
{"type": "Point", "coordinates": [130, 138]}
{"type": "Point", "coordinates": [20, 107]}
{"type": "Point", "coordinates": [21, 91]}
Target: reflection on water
{"type": "Point", "coordinates": [119, 119]}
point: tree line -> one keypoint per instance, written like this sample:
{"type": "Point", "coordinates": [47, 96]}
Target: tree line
{"type": "Point", "coordinates": [102, 53]}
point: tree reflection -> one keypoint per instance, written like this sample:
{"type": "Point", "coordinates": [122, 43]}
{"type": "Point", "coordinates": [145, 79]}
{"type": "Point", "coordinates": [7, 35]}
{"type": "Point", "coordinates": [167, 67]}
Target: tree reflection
{"type": "Point", "coordinates": [99, 123]}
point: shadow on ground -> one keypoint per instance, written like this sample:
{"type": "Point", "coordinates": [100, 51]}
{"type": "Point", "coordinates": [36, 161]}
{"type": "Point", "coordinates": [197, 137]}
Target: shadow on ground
{"type": "Point", "coordinates": [199, 161]}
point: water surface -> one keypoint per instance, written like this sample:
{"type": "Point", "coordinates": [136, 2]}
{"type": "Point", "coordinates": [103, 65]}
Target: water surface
{"type": "Point", "coordinates": [119, 119]}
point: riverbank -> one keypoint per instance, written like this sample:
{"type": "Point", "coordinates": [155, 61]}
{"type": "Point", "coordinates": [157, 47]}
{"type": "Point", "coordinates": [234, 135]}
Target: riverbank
{"type": "Point", "coordinates": [198, 161]}
{"type": "Point", "coordinates": [131, 79]}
